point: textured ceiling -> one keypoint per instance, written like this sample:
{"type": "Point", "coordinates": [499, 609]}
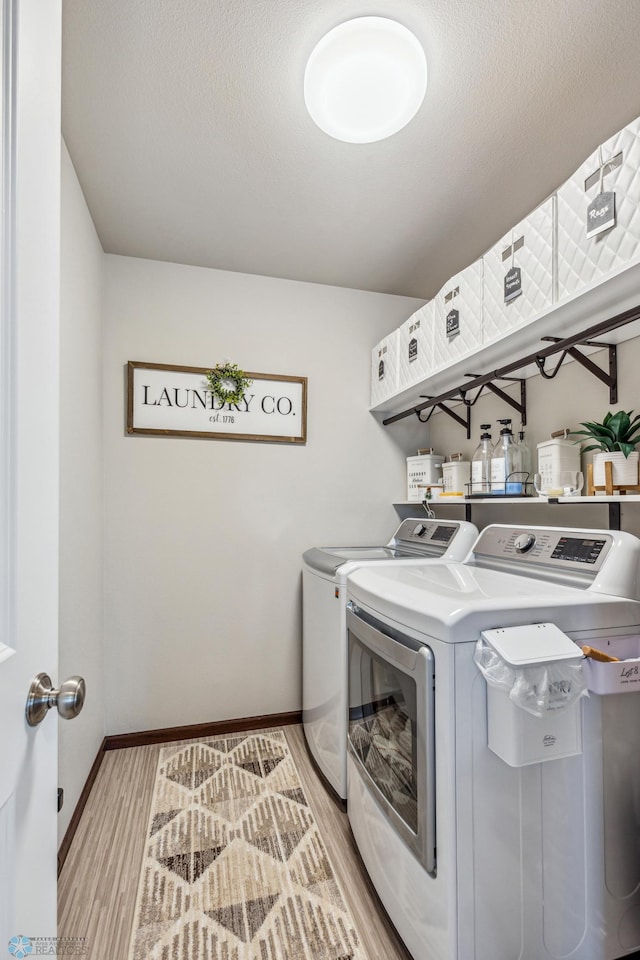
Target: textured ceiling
{"type": "Point", "coordinates": [186, 123]}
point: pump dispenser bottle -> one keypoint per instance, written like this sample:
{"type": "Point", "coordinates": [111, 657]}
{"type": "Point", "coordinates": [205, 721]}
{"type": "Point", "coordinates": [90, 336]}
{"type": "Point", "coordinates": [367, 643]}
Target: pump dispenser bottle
{"type": "Point", "coordinates": [481, 462]}
{"type": "Point", "coordinates": [504, 461]}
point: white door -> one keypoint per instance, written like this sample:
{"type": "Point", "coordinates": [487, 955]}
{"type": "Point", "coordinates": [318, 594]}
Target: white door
{"type": "Point", "coordinates": [29, 322]}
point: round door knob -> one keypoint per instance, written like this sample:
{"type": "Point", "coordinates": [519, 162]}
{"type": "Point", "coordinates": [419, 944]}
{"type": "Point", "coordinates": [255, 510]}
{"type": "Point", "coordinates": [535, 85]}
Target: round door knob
{"type": "Point", "coordinates": [69, 698]}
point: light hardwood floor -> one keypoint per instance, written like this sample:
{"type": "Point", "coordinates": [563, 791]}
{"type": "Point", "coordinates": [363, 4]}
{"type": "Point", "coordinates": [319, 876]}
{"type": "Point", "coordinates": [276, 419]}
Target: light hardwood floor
{"type": "Point", "coordinates": [99, 880]}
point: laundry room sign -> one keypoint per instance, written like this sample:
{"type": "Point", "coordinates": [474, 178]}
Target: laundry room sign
{"type": "Point", "coordinates": [174, 401]}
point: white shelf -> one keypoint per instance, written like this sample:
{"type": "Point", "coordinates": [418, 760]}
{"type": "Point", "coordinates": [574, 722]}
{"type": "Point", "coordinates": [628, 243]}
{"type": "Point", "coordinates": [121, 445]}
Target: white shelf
{"type": "Point", "coordinates": [600, 300]}
{"type": "Point", "coordinates": [633, 498]}
{"type": "Point", "coordinates": [541, 501]}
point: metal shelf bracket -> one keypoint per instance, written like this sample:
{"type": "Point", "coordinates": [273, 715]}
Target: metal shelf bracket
{"type": "Point", "coordinates": [520, 406]}
{"type": "Point", "coordinates": [463, 421]}
{"type": "Point", "coordinates": [610, 379]}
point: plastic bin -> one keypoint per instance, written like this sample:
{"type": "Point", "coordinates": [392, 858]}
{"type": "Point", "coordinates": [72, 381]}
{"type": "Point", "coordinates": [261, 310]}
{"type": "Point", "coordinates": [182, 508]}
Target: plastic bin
{"type": "Point", "coordinates": [527, 654]}
{"type": "Point", "coordinates": [622, 677]}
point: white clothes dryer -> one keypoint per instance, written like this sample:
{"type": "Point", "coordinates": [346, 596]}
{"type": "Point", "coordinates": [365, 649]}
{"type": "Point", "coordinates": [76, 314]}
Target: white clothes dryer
{"type": "Point", "coordinates": [475, 858]}
{"type": "Point", "coordinates": [324, 632]}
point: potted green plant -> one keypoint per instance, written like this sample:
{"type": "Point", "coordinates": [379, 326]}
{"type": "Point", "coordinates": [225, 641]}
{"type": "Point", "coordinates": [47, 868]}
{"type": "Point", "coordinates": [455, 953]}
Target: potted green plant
{"type": "Point", "coordinates": [614, 439]}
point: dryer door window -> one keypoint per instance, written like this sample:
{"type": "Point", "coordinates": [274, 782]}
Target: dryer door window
{"type": "Point", "coordinates": [391, 710]}
{"type": "Point", "coordinates": [382, 730]}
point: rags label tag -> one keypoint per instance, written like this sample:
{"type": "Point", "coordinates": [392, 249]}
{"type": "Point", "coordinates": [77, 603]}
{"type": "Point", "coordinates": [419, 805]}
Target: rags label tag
{"type": "Point", "coordinates": [453, 323]}
{"type": "Point", "coordinates": [601, 214]}
{"type": "Point", "coordinates": [381, 370]}
{"type": "Point", "coordinates": [512, 284]}
{"type": "Point", "coordinates": [413, 350]}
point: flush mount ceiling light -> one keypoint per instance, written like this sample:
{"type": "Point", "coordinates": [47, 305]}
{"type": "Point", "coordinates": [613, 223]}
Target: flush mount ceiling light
{"type": "Point", "coordinates": [365, 80]}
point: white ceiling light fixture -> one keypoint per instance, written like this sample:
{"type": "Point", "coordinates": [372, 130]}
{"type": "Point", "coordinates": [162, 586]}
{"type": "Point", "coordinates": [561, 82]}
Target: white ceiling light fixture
{"type": "Point", "coordinates": [365, 80]}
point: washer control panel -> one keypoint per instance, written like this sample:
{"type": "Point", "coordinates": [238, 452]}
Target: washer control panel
{"type": "Point", "coordinates": [436, 532]}
{"type": "Point", "coordinates": [578, 549]}
{"type": "Point", "coordinates": [562, 549]}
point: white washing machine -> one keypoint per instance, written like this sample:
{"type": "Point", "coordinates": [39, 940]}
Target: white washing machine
{"type": "Point", "coordinates": [324, 632]}
{"type": "Point", "coordinates": [475, 858]}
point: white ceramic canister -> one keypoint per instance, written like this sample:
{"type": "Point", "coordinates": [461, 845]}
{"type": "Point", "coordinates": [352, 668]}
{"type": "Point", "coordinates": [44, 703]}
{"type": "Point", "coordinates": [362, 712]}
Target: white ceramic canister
{"type": "Point", "coordinates": [456, 476]}
{"type": "Point", "coordinates": [423, 469]}
{"type": "Point", "coordinates": [557, 456]}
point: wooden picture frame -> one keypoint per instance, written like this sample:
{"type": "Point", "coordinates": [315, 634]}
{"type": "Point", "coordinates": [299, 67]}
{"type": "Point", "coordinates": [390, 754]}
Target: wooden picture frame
{"type": "Point", "coordinates": [167, 400]}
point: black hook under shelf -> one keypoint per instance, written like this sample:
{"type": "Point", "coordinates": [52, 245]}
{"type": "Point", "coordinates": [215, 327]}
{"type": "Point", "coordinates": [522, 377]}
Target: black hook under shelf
{"type": "Point", "coordinates": [426, 419]}
{"type": "Point", "coordinates": [550, 374]}
{"type": "Point", "coordinates": [463, 395]}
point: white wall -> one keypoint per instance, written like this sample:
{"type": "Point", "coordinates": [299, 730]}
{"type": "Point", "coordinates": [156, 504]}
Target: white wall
{"type": "Point", "coordinates": [203, 538]}
{"type": "Point", "coordinates": [81, 486]}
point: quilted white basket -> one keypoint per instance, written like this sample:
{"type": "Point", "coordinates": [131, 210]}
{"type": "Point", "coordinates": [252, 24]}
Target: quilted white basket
{"type": "Point", "coordinates": [528, 247]}
{"type": "Point", "coordinates": [461, 294]}
{"type": "Point", "coordinates": [384, 368]}
{"type": "Point", "coordinates": [582, 260]}
{"type": "Point", "coordinates": [415, 351]}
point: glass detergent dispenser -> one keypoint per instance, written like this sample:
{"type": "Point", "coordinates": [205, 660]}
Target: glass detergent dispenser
{"type": "Point", "coordinates": [481, 463]}
{"type": "Point", "coordinates": [509, 477]}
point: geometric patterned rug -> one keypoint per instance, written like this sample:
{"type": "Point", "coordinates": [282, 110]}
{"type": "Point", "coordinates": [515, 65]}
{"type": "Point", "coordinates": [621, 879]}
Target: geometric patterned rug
{"type": "Point", "coordinates": [234, 865]}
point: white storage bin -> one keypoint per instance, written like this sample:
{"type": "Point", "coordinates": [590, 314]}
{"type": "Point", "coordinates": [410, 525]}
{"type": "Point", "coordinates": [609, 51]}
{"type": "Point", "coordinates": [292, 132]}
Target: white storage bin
{"type": "Point", "coordinates": [582, 260]}
{"type": "Point", "coordinates": [457, 331]}
{"type": "Point", "coordinates": [622, 677]}
{"type": "Point", "coordinates": [422, 470]}
{"type": "Point", "coordinates": [415, 355]}
{"type": "Point", "coordinates": [530, 249]}
{"type": "Point", "coordinates": [515, 735]}
{"type": "Point", "coordinates": [384, 368]}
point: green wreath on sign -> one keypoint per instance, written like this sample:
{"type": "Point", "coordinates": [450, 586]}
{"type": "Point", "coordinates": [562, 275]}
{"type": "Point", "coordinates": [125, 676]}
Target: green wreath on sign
{"type": "Point", "coordinates": [228, 382]}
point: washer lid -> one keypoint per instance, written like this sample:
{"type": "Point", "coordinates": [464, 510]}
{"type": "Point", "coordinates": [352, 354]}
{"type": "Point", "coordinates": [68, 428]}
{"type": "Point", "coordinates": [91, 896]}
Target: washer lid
{"type": "Point", "coordinates": [455, 601]}
{"type": "Point", "coordinates": [415, 538]}
{"type": "Point", "coordinates": [329, 559]}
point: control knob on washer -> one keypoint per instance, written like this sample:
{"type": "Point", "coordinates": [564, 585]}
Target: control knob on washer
{"type": "Point", "coordinates": [419, 530]}
{"type": "Point", "coordinates": [524, 542]}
